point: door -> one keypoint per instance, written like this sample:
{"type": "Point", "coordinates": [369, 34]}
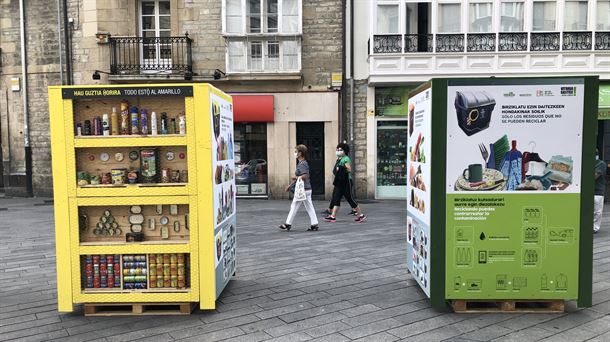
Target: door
{"type": "Point", "coordinates": [311, 134]}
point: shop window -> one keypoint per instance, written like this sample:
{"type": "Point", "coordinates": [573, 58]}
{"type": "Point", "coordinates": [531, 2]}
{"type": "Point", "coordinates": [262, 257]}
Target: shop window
{"type": "Point", "coordinates": [251, 159]}
{"type": "Point", "coordinates": [391, 159]}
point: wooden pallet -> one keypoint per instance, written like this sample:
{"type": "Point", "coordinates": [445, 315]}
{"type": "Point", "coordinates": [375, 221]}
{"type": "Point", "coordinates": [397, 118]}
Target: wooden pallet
{"type": "Point", "coordinates": [508, 306]}
{"type": "Point", "coordinates": [138, 309]}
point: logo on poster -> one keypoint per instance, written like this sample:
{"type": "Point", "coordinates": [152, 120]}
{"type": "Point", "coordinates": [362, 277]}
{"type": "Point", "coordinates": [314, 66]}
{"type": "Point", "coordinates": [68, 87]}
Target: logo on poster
{"type": "Point", "coordinates": [568, 91]}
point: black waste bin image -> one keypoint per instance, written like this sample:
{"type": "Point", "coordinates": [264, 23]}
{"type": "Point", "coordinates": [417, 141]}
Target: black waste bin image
{"type": "Point", "coordinates": [473, 109]}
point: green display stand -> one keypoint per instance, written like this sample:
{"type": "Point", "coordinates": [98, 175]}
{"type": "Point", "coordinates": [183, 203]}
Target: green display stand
{"type": "Point", "coordinates": [500, 188]}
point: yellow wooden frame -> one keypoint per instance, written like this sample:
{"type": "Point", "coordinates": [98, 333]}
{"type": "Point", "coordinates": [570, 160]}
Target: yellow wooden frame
{"type": "Point", "coordinates": [198, 194]}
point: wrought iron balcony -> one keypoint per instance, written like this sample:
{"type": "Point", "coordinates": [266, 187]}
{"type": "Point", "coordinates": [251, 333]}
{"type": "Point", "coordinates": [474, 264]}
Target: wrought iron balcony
{"type": "Point", "coordinates": [512, 41]}
{"type": "Point", "coordinates": [450, 42]}
{"type": "Point", "coordinates": [150, 55]}
{"type": "Point", "coordinates": [419, 42]}
{"type": "Point", "coordinates": [544, 41]}
{"type": "Point", "coordinates": [478, 42]}
{"type": "Point", "coordinates": [602, 40]}
{"type": "Point", "coordinates": [577, 40]}
{"type": "Point", "coordinates": [388, 43]}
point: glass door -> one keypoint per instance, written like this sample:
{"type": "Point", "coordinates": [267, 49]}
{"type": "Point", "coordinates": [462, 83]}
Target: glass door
{"type": "Point", "coordinates": [391, 178]}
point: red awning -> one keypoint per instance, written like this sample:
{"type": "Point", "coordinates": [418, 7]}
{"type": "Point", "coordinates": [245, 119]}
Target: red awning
{"type": "Point", "coordinates": [252, 108]}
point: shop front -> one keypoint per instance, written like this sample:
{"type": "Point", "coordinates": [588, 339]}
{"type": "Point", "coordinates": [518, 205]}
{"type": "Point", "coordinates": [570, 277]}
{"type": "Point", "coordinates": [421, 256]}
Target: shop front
{"type": "Point", "coordinates": [603, 128]}
{"type": "Point", "coordinates": [390, 124]}
{"type": "Point", "coordinates": [252, 113]}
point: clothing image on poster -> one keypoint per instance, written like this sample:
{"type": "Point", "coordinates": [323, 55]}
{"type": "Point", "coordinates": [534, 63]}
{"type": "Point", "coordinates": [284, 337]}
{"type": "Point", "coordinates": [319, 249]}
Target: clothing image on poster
{"type": "Point", "coordinates": [473, 109]}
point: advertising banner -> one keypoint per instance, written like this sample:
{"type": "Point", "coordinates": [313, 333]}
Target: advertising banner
{"type": "Point", "coordinates": [513, 172]}
{"type": "Point", "coordinates": [418, 187]}
{"type": "Point", "coordinates": [223, 169]}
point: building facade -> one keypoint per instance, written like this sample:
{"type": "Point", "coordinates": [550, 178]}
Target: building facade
{"type": "Point", "coordinates": [277, 57]}
{"type": "Point", "coordinates": [398, 44]}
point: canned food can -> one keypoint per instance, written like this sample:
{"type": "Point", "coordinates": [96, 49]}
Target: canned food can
{"type": "Point", "coordinates": [96, 282]}
{"type": "Point", "coordinates": [96, 270]}
{"type": "Point", "coordinates": [165, 175]}
{"type": "Point", "coordinates": [96, 258]}
{"type": "Point", "coordinates": [166, 270]}
{"type": "Point", "coordinates": [152, 258]}
{"type": "Point", "coordinates": [167, 281]}
{"type": "Point", "coordinates": [166, 258]}
{"type": "Point", "coordinates": [128, 286]}
{"type": "Point", "coordinates": [118, 178]}
{"type": "Point", "coordinates": [184, 176]}
{"type": "Point", "coordinates": [111, 282]}
{"type": "Point", "coordinates": [110, 259]}
{"type": "Point", "coordinates": [129, 279]}
{"type": "Point", "coordinates": [159, 269]}
{"type": "Point", "coordinates": [159, 258]}
{"type": "Point", "coordinates": [181, 282]}
{"type": "Point", "coordinates": [153, 270]}
{"type": "Point", "coordinates": [173, 259]}
{"type": "Point", "coordinates": [181, 270]}
{"type": "Point", "coordinates": [159, 281]}
{"type": "Point", "coordinates": [173, 269]}
{"type": "Point", "coordinates": [117, 280]}
{"type": "Point", "coordinates": [153, 281]}
{"type": "Point", "coordinates": [140, 258]}
{"type": "Point", "coordinates": [181, 258]}
{"type": "Point", "coordinates": [140, 286]}
{"type": "Point", "coordinates": [140, 278]}
{"type": "Point", "coordinates": [175, 176]}
{"type": "Point", "coordinates": [174, 281]}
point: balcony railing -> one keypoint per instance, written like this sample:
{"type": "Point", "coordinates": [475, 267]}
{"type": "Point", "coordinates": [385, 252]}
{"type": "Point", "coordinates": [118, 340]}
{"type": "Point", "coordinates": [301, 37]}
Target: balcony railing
{"type": "Point", "coordinates": [491, 42]}
{"type": "Point", "coordinates": [150, 55]}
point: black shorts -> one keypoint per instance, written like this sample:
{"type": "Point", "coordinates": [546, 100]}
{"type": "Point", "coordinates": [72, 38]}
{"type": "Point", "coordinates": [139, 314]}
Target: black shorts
{"type": "Point", "coordinates": [343, 190]}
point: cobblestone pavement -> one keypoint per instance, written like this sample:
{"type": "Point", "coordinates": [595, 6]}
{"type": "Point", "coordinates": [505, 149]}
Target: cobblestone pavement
{"type": "Point", "coordinates": [347, 282]}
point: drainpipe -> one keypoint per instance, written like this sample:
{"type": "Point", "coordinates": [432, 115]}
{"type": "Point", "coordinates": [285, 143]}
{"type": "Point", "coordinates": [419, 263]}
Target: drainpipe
{"type": "Point", "coordinates": [61, 63]}
{"type": "Point", "coordinates": [351, 86]}
{"type": "Point", "coordinates": [343, 67]}
{"type": "Point", "coordinates": [67, 43]}
{"type": "Point", "coordinates": [24, 96]}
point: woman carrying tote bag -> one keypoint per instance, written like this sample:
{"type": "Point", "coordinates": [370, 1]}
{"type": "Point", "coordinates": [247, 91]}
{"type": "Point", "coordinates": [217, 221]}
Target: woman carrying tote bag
{"type": "Point", "coordinates": [302, 191]}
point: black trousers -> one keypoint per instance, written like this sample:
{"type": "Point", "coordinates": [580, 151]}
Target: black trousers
{"type": "Point", "coordinates": [343, 190]}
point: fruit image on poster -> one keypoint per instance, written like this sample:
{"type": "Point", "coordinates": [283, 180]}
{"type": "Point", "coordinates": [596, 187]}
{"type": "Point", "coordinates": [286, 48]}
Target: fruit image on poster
{"type": "Point", "coordinates": [513, 178]}
{"type": "Point", "coordinates": [418, 187]}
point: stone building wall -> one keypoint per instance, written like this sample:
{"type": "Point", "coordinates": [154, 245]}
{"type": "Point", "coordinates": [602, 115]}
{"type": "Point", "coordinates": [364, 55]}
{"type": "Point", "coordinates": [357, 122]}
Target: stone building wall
{"type": "Point", "coordinates": [360, 137]}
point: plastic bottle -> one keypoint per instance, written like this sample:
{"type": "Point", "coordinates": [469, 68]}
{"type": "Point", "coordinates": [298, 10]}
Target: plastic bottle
{"type": "Point", "coordinates": [135, 129]}
{"type": "Point", "coordinates": [172, 126]}
{"type": "Point", "coordinates": [79, 130]}
{"type": "Point", "coordinates": [153, 123]}
{"type": "Point", "coordinates": [144, 121]}
{"type": "Point", "coordinates": [182, 124]}
{"type": "Point", "coordinates": [163, 123]}
{"type": "Point", "coordinates": [114, 122]}
{"type": "Point", "coordinates": [105, 125]}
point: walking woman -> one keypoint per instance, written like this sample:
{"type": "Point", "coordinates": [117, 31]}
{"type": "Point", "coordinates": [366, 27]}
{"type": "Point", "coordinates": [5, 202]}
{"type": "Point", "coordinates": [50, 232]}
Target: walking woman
{"type": "Point", "coordinates": [343, 185]}
{"type": "Point", "coordinates": [302, 172]}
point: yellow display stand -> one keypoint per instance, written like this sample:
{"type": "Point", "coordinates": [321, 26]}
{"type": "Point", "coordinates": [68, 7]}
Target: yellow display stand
{"type": "Point", "coordinates": [195, 209]}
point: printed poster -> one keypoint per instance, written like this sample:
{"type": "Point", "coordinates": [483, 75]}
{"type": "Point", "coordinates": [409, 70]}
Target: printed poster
{"type": "Point", "coordinates": [223, 171]}
{"type": "Point", "coordinates": [513, 190]}
{"type": "Point", "coordinates": [418, 187]}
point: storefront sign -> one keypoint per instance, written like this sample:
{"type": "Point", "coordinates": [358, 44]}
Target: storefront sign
{"type": "Point", "coordinates": [109, 92]}
{"type": "Point", "coordinates": [243, 189]}
{"type": "Point", "coordinates": [513, 173]}
{"type": "Point", "coordinates": [603, 114]}
{"type": "Point", "coordinates": [391, 101]}
{"type": "Point", "coordinates": [604, 102]}
{"type": "Point", "coordinates": [418, 187]}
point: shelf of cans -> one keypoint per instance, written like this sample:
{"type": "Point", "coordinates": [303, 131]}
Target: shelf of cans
{"type": "Point", "coordinates": [131, 121]}
{"type": "Point", "coordinates": [135, 272]}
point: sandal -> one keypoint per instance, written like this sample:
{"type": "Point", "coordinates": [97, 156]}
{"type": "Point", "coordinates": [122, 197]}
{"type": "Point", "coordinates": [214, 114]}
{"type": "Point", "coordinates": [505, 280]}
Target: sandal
{"type": "Point", "coordinates": [315, 227]}
{"type": "Point", "coordinates": [285, 227]}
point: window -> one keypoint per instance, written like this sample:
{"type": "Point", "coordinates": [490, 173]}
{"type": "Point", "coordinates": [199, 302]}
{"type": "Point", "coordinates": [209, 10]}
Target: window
{"type": "Point", "coordinates": [576, 15]}
{"type": "Point", "coordinates": [270, 50]}
{"type": "Point", "coordinates": [511, 16]}
{"type": "Point", "coordinates": [387, 19]}
{"type": "Point", "coordinates": [155, 22]}
{"type": "Point", "coordinates": [544, 17]}
{"type": "Point", "coordinates": [603, 15]}
{"type": "Point", "coordinates": [449, 18]}
{"type": "Point", "coordinates": [418, 16]}
{"type": "Point", "coordinates": [480, 15]}
{"type": "Point", "coordinates": [261, 16]}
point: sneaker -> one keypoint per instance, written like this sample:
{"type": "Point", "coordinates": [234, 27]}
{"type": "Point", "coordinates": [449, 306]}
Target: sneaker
{"type": "Point", "coordinates": [326, 212]}
{"type": "Point", "coordinates": [360, 218]}
{"type": "Point", "coordinates": [330, 218]}
{"type": "Point", "coordinates": [353, 213]}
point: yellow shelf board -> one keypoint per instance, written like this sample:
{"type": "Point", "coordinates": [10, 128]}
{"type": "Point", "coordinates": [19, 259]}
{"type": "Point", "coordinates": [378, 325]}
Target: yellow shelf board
{"type": "Point", "coordinates": [136, 297]}
{"type": "Point", "coordinates": [130, 140]}
{"type": "Point", "coordinates": [128, 190]}
{"type": "Point", "coordinates": [135, 248]}
{"type": "Point", "coordinates": [121, 241]}
{"type": "Point", "coordinates": [119, 290]}
{"type": "Point", "coordinates": [123, 201]}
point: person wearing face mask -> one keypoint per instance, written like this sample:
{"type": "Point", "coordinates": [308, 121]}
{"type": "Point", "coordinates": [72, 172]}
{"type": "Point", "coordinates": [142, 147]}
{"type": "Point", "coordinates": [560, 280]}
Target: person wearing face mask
{"type": "Point", "coordinates": [600, 190]}
{"type": "Point", "coordinates": [343, 185]}
{"type": "Point", "coordinates": [302, 171]}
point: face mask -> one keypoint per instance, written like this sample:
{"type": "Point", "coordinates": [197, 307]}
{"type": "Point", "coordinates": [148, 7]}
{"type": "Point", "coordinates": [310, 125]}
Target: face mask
{"type": "Point", "coordinates": [339, 153]}
{"type": "Point", "coordinates": [296, 154]}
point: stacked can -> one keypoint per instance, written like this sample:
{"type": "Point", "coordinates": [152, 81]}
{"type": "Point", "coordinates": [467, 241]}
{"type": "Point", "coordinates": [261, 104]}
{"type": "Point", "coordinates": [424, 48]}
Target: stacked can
{"type": "Point", "coordinates": [96, 272]}
{"type": "Point", "coordinates": [110, 270]}
{"type": "Point", "coordinates": [117, 270]}
{"type": "Point", "coordinates": [167, 270]}
{"type": "Point", "coordinates": [134, 272]}
{"type": "Point", "coordinates": [88, 272]}
{"type": "Point", "coordinates": [103, 271]}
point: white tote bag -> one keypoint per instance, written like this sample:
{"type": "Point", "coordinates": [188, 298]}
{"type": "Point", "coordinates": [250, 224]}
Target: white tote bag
{"type": "Point", "coordinates": [299, 190]}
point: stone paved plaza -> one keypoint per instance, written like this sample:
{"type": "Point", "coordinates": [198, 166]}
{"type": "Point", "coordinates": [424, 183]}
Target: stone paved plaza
{"type": "Point", "coordinates": [346, 282]}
